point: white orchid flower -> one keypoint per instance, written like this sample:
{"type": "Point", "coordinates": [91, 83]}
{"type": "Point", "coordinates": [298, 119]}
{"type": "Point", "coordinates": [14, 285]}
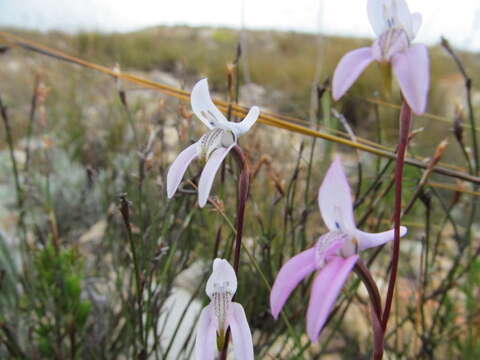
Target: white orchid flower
{"type": "Point", "coordinates": [222, 314]}
{"type": "Point", "coordinates": [212, 147]}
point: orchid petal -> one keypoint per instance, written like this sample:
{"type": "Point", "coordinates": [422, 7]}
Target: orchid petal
{"type": "Point", "coordinates": [224, 274]}
{"type": "Point", "coordinates": [412, 68]}
{"type": "Point", "coordinates": [205, 341]}
{"type": "Point", "coordinates": [178, 168]}
{"type": "Point", "coordinates": [349, 69]}
{"type": "Point", "coordinates": [247, 122]}
{"type": "Point", "coordinates": [209, 172]}
{"type": "Point", "coordinates": [403, 16]}
{"type": "Point", "coordinates": [416, 24]}
{"type": "Point", "coordinates": [335, 200]}
{"type": "Point", "coordinates": [375, 10]}
{"type": "Point", "coordinates": [290, 275]}
{"type": "Point", "coordinates": [325, 290]}
{"type": "Point", "coordinates": [369, 240]}
{"type": "Point", "coordinates": [204, 107]}
{"type": "Point", "coordinates": [241, 335]}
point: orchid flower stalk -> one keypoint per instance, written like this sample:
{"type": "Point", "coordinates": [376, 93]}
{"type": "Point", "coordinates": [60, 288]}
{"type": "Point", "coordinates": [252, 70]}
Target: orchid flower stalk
{"type": "Point", "coordinates": [222, 314]}
{"type": "Point", "coordinates": [333, 256]}
{"type": "Point", "coordinates": [213, 146]}
{"type": "Point", "coordinates": [396, 28]}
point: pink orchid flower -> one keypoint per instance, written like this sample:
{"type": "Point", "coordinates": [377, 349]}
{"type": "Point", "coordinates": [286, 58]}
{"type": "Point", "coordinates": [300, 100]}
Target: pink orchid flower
{"type": "Point", "coordinates": [396, 27]}
{"type": "Point", "coordinates": [213, 147]}
{"type": "Point", "coordinates": [221, 314]}
{"type": "Point", "coordinates": [333, 256]}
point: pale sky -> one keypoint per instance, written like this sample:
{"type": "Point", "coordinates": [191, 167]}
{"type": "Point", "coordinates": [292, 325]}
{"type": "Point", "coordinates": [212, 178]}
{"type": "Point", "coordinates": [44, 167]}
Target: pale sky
{"type": "Point", "coordinates": [458, 20]}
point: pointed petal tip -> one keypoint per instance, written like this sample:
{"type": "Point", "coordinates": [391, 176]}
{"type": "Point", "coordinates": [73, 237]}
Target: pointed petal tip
{"type": "Point", "coordinates": [202, 202]}
{"type": "Point", "coordinates": [403, 231]}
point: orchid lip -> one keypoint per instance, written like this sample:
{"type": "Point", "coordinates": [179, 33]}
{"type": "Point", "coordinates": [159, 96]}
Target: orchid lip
{"type": "Point", "coordinates": [214, 139]}
{"type": "Point", "coordinates": [327, 246]}
{"type": "Point", "coordinates": [221, 299]}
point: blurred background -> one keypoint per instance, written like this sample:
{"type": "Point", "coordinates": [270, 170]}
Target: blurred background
{"type": "Point", "coordinates": [458, 21]}
{"type": "Point", "coordinates": [79, 147]}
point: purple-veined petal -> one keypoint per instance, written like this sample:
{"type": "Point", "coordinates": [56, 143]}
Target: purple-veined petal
{"type": "Point", "coordinates": [335, 200]}
{"type": "Point", "coordinates": [369, 240]}
{"type": "Point", "coordinates": [204, 108]}
{"type": "Point", "coordinates": [224, 274]}
{"type": "Point", "coordinates": [208, 173]}
{"type": "Point", "coordinates": [412, 69]}
{"type": "Point", "coordinates": [178, 168]}
{"type": "Point", "coordinates": [247, 122]}
{"type": "Point", "coordinates": [325, 290]}
{"type": "Point", "coordinates": [241, 335]}
{"type": "Point", "coordinates": [206, 339]}
{"type": "Point", "coordinates": [349, 69]}
{"type": "Point", "coordinates": [416, 24]}
{"type": "Point", "coordinates": [375, 10]}
{"type": "Point", "coordinates": [290, 275]}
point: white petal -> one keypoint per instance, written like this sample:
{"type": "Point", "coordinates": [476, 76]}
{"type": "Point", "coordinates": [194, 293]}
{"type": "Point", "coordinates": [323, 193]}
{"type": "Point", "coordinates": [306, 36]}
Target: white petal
{"type": "Point", "coordinates": [369, 240]}
{"type": "Point", "coordinates": [241, 335]}
{"type": "Point", "coordinates": [403, 16]}
{"type": "Point", "coordinates": [223, 274]}
{"type": "Point", "coordinates": [375, 9]}
{"type": "Point", "coordinates": [208, 173]}
{"type": "Point", "coordinates": [178, 168]}
{"type": "Point", "coordinates": [247, 123]}
{"type": "Point", "coordinates": [206, 339]}
{"type": "Point", "coordinates": [416, 24]}
{"type": "Point", "coordinates": [204, 107]}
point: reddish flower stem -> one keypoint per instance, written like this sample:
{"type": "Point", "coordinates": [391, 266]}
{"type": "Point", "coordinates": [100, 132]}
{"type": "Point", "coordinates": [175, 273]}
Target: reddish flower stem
{"type": "Point", "coordinates": [405, 122]}
{"type": "Point", "coordinates": [243, 189]}
{"type": "Point", "coordinates": [376, 307]}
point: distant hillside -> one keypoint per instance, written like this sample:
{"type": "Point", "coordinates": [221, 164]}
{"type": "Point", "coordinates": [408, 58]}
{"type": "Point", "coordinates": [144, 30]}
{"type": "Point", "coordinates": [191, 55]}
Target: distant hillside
{"type": "Point", "coordinates": [283, 61]}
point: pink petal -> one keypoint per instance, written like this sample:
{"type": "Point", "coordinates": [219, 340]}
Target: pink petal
{"type": "Point", "coordinates": [412, 69]}
{"type": "Point", "coordinates": [369, 240]}
{"type": "Point", "coordinates": [325, 290]}
{"type": "Point", "coordinates": [335, 200]}
{"type": "Point", "coordinates": [241, 335]}
{"type": "Point", "coordinates": [206, 340]}
{"type": "Point", "coordinates": [349, 69]}
{"type": "Point", "coordinates": [290, 275]}
{"type": "Point", "coordinates": [208, 173]}
{"type": "Point", "coordinates": [178, 168]}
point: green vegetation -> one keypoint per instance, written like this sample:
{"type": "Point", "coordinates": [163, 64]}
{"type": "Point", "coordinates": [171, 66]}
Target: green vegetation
{"type": "Point", "coordinates": [68, 284]}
